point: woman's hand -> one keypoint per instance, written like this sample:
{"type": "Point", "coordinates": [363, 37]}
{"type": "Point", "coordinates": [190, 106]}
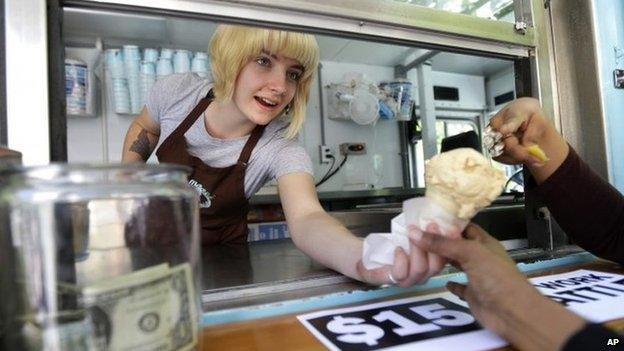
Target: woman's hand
{"type": "Point", "coordinates": [499, 295]}
{"type": "Point", "coordinates": [407, 270]}
{"type": "Point", "coordinates": [523, 124]}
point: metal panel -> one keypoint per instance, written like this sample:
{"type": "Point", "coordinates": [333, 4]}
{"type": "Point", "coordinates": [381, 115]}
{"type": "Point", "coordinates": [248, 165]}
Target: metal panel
{"type": "Point", "coordinates": [3, 121]}
{"type": "Point", "coordinates": [392, 22]}
{"type": "Point", "coordinates": [406, 15]}
{"type": "Point", "coordinates": [427, 110]}
{"type": "Point", "coordinates": [56, 83]}
{"type": "Point", "coordinates": [542, 63]}
{"type": "Point", "coordinates": [580, 107]}
{"type": "Point", "coordinates": [26, 79]}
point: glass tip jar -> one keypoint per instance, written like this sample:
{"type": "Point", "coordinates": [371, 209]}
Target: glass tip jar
{"type": "Point", "coordinates": [99, 258]}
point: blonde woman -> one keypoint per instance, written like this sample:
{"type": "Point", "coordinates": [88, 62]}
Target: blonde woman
{"type": "Point", "coordinates": [236, 133]}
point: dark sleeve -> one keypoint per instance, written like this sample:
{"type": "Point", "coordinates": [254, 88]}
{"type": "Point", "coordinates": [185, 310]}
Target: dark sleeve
{"type": "Point", "coordinates": [588, 208]}
{"type": "Point", "coordinates": [594, 337]}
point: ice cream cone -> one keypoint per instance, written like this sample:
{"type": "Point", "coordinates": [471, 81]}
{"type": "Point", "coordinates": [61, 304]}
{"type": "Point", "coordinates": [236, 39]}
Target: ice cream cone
{"type": "Point", "coordinates": [462, 181]}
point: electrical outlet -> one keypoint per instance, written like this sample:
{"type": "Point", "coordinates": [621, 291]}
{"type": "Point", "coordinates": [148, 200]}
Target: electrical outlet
{"type": "Point", "coordinates": [326, 154]}
{"type": "Point", "coordinates": [353, 148]}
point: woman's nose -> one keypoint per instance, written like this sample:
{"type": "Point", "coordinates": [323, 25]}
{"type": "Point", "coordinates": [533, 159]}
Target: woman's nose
{"type": "Point", "coordinates": [277, 83]}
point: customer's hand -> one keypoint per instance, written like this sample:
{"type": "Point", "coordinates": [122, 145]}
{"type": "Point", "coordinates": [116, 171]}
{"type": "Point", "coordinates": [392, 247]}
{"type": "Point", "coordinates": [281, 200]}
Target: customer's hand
{"type": "Point", "coordinates": [523, 124]}
{"type": "Point", "coordinates": [499, 295]}
{"type": "Point", "coordinates": [407, 270]}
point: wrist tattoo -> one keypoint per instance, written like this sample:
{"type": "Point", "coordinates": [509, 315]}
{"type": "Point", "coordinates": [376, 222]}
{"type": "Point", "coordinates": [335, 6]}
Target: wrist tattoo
{"type": "Point", "coordinates": [141, 145]}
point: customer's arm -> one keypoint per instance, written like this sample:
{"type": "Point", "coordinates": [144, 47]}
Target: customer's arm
{"type": "Point", "coordinates": [587, 207]}
{"type": "Point", "coordinates": [499, 295]}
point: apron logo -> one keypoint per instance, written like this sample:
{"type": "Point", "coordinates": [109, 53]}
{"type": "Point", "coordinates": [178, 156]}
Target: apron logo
{"type": "Point", "coordinates": [205, 199]}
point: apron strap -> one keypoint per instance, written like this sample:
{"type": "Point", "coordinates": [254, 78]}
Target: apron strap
{"type": "Point", "coordinates": [251, 143]}
{"type": "Point", "coordinates": [192, 117]}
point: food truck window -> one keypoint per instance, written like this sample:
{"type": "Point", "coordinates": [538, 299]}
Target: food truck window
{"type": "Point", "coordinates": [357, 96]}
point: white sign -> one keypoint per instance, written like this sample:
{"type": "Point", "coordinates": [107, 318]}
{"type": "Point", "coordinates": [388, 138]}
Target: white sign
{"type": "Point", "coordinates": [596, 296]}
{"type": "Point", "coordinates": [444, 322]}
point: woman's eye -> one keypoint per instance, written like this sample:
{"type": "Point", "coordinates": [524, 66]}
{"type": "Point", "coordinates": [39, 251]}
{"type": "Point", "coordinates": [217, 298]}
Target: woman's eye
{"type": "Point", "coordinates": [294, 76]}
{"type": "Point", "coordinates": [263, 61]}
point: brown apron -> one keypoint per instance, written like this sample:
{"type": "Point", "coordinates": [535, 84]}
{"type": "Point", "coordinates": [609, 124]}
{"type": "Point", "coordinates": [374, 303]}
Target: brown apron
{"type": "Point", "coordinates": [223, 205]}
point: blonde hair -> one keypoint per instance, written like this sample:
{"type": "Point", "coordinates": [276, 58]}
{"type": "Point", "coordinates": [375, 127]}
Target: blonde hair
{"type": "Point", "coordinates": [231, 48]}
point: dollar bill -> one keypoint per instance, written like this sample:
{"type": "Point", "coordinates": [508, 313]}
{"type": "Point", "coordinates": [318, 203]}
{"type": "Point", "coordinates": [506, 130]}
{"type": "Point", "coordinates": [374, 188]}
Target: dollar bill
{"type": "Point", "coordinates": [151, 309]}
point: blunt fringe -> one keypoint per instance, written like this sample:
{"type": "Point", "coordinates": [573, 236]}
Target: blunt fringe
{"type": "Point", "coordinates": [232, 46]}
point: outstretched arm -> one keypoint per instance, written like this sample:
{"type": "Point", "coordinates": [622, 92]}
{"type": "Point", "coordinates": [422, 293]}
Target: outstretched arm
{"type": "Point", "coordinates": [141, 138]}
{"type": "Point", "coordinates": [328, 242]}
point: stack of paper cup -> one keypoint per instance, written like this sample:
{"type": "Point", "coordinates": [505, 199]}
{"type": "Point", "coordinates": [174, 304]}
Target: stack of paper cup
{"type": "Point", "coordinates": [166, 53]}
{"type": "Point", "coordinates": [181, 61]}
{"type": "Point", "coordinates": [132, 58]}
{"type": "Point", "coordinates": [199, 65]}
{"type": "Point", "coordinates": [121, 95]}
{"type": "Point", "coordinates": [150, 55]}
{"type": "Point", "coordinates": [148, 78]}
{"type": "Point", "coordinates": [164, 67]}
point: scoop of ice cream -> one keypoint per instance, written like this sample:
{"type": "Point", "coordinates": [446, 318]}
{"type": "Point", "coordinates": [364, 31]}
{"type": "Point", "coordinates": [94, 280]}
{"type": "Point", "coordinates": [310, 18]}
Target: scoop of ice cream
{"type": "Point", "coordinates": [462, 181]}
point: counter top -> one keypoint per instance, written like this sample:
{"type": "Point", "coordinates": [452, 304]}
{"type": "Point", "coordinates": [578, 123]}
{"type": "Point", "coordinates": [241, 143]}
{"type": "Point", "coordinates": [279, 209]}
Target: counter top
{"type": "Point", "coordinates": [285, 332]}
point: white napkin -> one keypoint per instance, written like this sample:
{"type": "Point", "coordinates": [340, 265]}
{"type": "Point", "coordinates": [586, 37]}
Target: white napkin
{"type": "Point", "coordinates": [379, 248]}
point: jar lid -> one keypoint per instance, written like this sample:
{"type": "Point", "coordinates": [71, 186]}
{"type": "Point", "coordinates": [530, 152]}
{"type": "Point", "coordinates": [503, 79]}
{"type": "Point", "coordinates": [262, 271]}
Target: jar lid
{"type": "Point", "coordinates": [63, 173]}
{"type": "Point", "coordinates": [75, 62]}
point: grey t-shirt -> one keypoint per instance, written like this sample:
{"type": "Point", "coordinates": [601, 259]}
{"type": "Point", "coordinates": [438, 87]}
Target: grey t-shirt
{"type": "Point", "coordinates": [172, 98]}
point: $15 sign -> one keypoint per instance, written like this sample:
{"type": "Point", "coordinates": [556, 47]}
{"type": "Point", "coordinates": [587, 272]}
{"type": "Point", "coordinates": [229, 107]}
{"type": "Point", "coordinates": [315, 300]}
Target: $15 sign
{"type": "Point", "coordinates": [391, 325]}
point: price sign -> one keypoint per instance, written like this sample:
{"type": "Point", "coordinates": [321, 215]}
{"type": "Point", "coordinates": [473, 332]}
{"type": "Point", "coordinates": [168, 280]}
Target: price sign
{"type": "Point", "coordinates": [408, 321]}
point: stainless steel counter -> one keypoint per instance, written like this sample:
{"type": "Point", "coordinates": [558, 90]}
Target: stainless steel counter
{"type": "Point", "coordinates": [263, 272]}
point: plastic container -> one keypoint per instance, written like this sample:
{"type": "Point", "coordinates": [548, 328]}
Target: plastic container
{"type": "Point", "coordinates": [99, 257]}
{"type": "Point", "coordinates": [355, 103]}
{"type": "Point", "coordinates": [76, 86]}
{"type": "Point", "coordinates": [401, 92]}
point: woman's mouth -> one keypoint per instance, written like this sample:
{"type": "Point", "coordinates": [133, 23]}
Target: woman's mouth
{"type": "Point", "coordinates": [267, 103]}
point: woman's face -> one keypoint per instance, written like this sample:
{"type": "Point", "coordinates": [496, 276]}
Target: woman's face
{"type": "Point", "coordinates": [265, 85]}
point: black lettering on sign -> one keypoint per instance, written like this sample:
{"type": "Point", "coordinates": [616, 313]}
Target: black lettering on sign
{"type": "Point", "coordinates": [395, 325]}
{"type": "Point", "coordinates": [576, 295]}
{"type": "Point", "coordinates": [564, 283]}
{"type": "Point", "coordinates": [564, 301]}
{"type": "Point", "coordinates": [588, 293]}
{"type": "Point", "coordinates": [620, 282]}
